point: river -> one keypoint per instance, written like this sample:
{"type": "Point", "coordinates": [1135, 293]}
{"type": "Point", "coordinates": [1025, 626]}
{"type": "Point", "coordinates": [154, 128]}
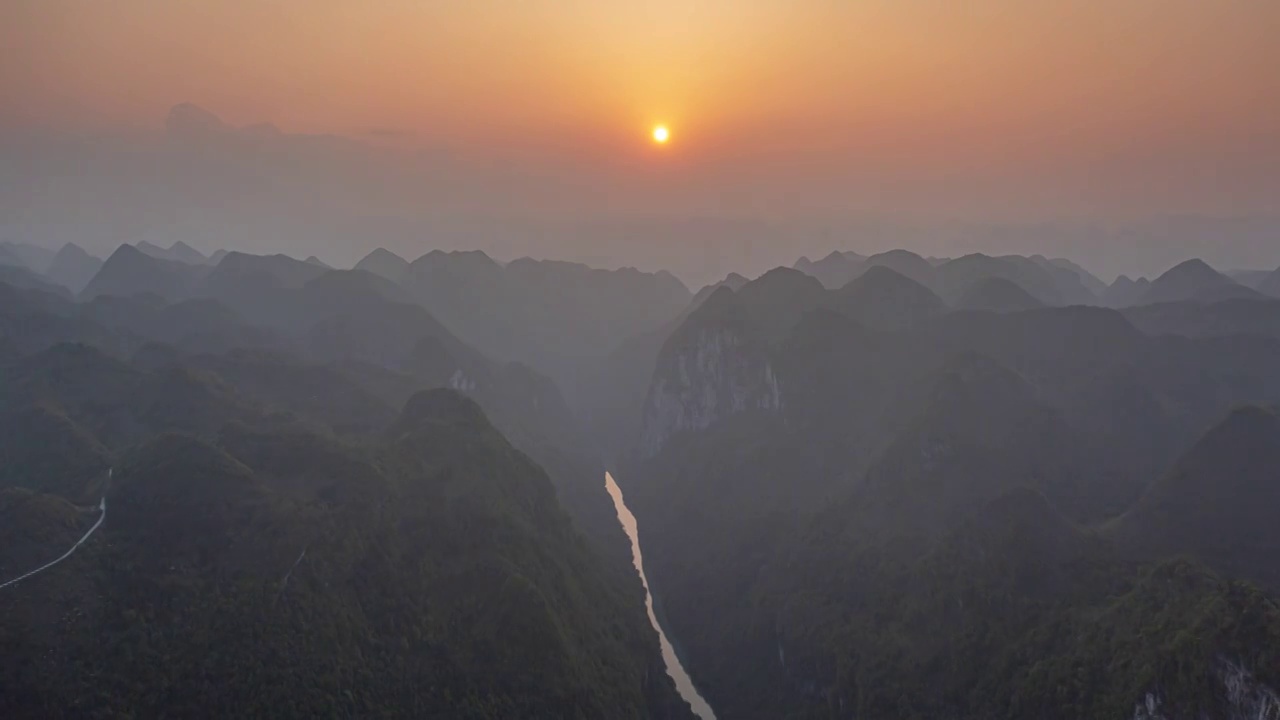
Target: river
{"type": "Point", "coordinates": [674, 668]}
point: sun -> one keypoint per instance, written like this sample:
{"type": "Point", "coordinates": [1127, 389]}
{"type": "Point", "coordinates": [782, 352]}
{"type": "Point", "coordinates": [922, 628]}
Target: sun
{"type": "Point", "coordinates": [661, 134]}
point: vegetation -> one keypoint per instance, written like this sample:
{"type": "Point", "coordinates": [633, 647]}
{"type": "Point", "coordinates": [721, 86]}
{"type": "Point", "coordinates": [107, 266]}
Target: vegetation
{"type": "Point", "coordinates": [429, 573]}
{"type": "Point", "coordinates": [909, 489]}
{"type": "Point", "coordinates": [970, 516]}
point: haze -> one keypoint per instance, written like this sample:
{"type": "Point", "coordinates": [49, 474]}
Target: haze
{"type": "Point", "coordinates": [1125, 135]}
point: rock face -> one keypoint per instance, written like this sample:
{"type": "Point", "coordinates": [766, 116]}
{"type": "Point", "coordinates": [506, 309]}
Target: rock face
{"type": "Point", "coordinates": [1242, 698]}
{"type": "Point", "coordinates": [716, 374]}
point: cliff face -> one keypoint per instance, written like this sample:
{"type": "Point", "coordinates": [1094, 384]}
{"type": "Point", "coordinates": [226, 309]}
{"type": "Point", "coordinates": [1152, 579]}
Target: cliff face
{"type": "Point", "coordinates": [1241, 697]}
{"type": "Point", "coordinates": [716, 373]}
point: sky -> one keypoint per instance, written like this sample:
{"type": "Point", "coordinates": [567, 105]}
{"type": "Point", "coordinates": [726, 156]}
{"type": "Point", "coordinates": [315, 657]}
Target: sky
{"type": "Point", "coordinates": [854, 123]}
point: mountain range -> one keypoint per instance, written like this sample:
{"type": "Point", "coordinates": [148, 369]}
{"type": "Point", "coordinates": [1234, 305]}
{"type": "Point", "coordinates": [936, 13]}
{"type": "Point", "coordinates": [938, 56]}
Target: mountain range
{"type": "Point", "coordinates": [873, 486]}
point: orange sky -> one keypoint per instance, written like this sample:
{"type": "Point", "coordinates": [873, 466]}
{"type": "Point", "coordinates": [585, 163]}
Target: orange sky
{"type": "Point", "coordinates": [1175, 102]}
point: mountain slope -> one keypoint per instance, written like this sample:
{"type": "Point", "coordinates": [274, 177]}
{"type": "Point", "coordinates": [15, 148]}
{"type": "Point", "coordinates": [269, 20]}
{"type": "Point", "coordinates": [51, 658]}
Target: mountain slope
{"type": "Point", "coordinates": [884, 299]}
{"type": "Point", "coordinates": [1219, 502]}
{"type": "Point", "coordinates": [73, 268]}
{"type": "Point", "coordinates": [1196, 281]}
{"type": "Point", "coordinates": [906, 263]}
{"type": "Point", "coordinates": [835, 270]}
{"type": "Point", "coordinates": [997, 295]}
{"type": "Point", "coordinates": [334, 579]}
{"type": "Point", "coordinates": [385, 264]}
{"type": "Point", "coordinates": [33, 257]}
{"type": "Point", "coordinates": [1125, 292]}
{"type": "Point", "coordinates": [955, 277]}
{"type": "Point", "coordinates": [1271, 285]}
{"type": "Point", "coordinates": [556, 317]}
{"type": "Point", "coordinates": [130, 271]}
{"type": "Point", "coordinates": [20, 277]}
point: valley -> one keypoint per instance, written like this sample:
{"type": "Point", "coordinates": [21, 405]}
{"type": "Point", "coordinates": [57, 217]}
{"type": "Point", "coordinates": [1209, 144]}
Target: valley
{"type": "Point", "coordinates": [684, 684]}
{"type": "Point", "coordinates": [895, 498]}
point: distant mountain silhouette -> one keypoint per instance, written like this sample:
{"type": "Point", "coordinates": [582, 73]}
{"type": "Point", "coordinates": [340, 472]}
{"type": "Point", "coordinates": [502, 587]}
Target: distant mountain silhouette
{"type": "Point", "coordinates": [906, 263]}
{"type": "Point", "coordinates": [1271, 285]}
{"type": "Point", "coordinates": [353, 288]}
{"type": "Point", "coordinates": [997, 295]}
{"type": "Point", "coordinates": [1219, 502]}
{"type": "Point", "coordinates": [33, 257]}
{"type": "Point", "coordinates": [1125, 292]}
{"type": "Point", "coordinates": [1090, 281]}
{"type": "Point", "coordinates": [551, 315]}
{"type": "Point", "coordinates": [73, 268]}
{"type": "Point", "coordinates": [188, 120]}
{"type": "Point", "coordinates": [9, 258]}
{"type": "Point", "coordinates": [955, 277]}
{"type": "Point", "coordinates": [183, 252]}
{"type": "Point", "coordinates": [1250, 278]}
{"type": "Point", "coordinates": [1194, 280]}
{"type": "Point", "coordinates": [1246, 316]}
{"type": "Point", "coordinates": [387, 264]}
{"type": "Point", "coordinates": [276, 270]}
{"type": "Point", "coordinates": [199, 325]}
{"type": "Point", "coordinates": [177, 252]}
{"type": "Point", "coordinates": [885, 299]}
{"type": "Point", "coordinates": [835, 270]}
{"type": "Point", "coordinates": [1074, 284]}
{"type": "Point", "coordinates": [131, 271]}
{"type": "Point", "coordinates": [19, 276]}
{"type": "Point", "coordinates": [733, 281]}
{"type": "Point", "coordinates": [775, 301]}
{"type": "Point", "coordinates": [858, 500]}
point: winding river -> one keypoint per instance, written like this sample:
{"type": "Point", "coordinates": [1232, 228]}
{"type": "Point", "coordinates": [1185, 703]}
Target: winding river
{"type": "Point", "coordinates": [677, 672]}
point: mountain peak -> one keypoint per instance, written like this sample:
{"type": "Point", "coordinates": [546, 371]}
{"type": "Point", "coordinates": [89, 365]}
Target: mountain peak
{"type": "Point", "coordinates": [187, 119]}
{"type": "Point", "coordinates": [1194, 280]}
{"type": "Point", "coordinates": [72, 250]}
{"type": "Point", "coordinates": [386, 264]}
{"type": "Point", "coordinates": [73, 267]}
{"type": "Point", "coordinates": [185, 253]}
{"type": "Point", "coordinates": [1193, 268]}
{"type": "Point", "coordinates": [384, 254]}
{"type": "Point", "coordinates": [885, 299]}
{"type": "Point", "coordinates": [783, 279]}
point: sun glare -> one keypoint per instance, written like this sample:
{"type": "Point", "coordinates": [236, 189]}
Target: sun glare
{"type": "Point", "coordinates": [661, 135]}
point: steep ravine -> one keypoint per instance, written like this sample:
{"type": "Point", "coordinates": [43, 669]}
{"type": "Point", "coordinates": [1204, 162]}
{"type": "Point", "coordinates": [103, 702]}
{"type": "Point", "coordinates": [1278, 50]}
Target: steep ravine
{"type": "Point", "coordinates": [684, 684]}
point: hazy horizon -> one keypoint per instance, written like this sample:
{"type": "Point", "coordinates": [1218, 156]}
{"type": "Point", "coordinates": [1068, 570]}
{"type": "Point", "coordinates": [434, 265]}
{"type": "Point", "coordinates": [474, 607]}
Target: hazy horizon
{"type": "Point", "coordinates": [1125, 137]}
